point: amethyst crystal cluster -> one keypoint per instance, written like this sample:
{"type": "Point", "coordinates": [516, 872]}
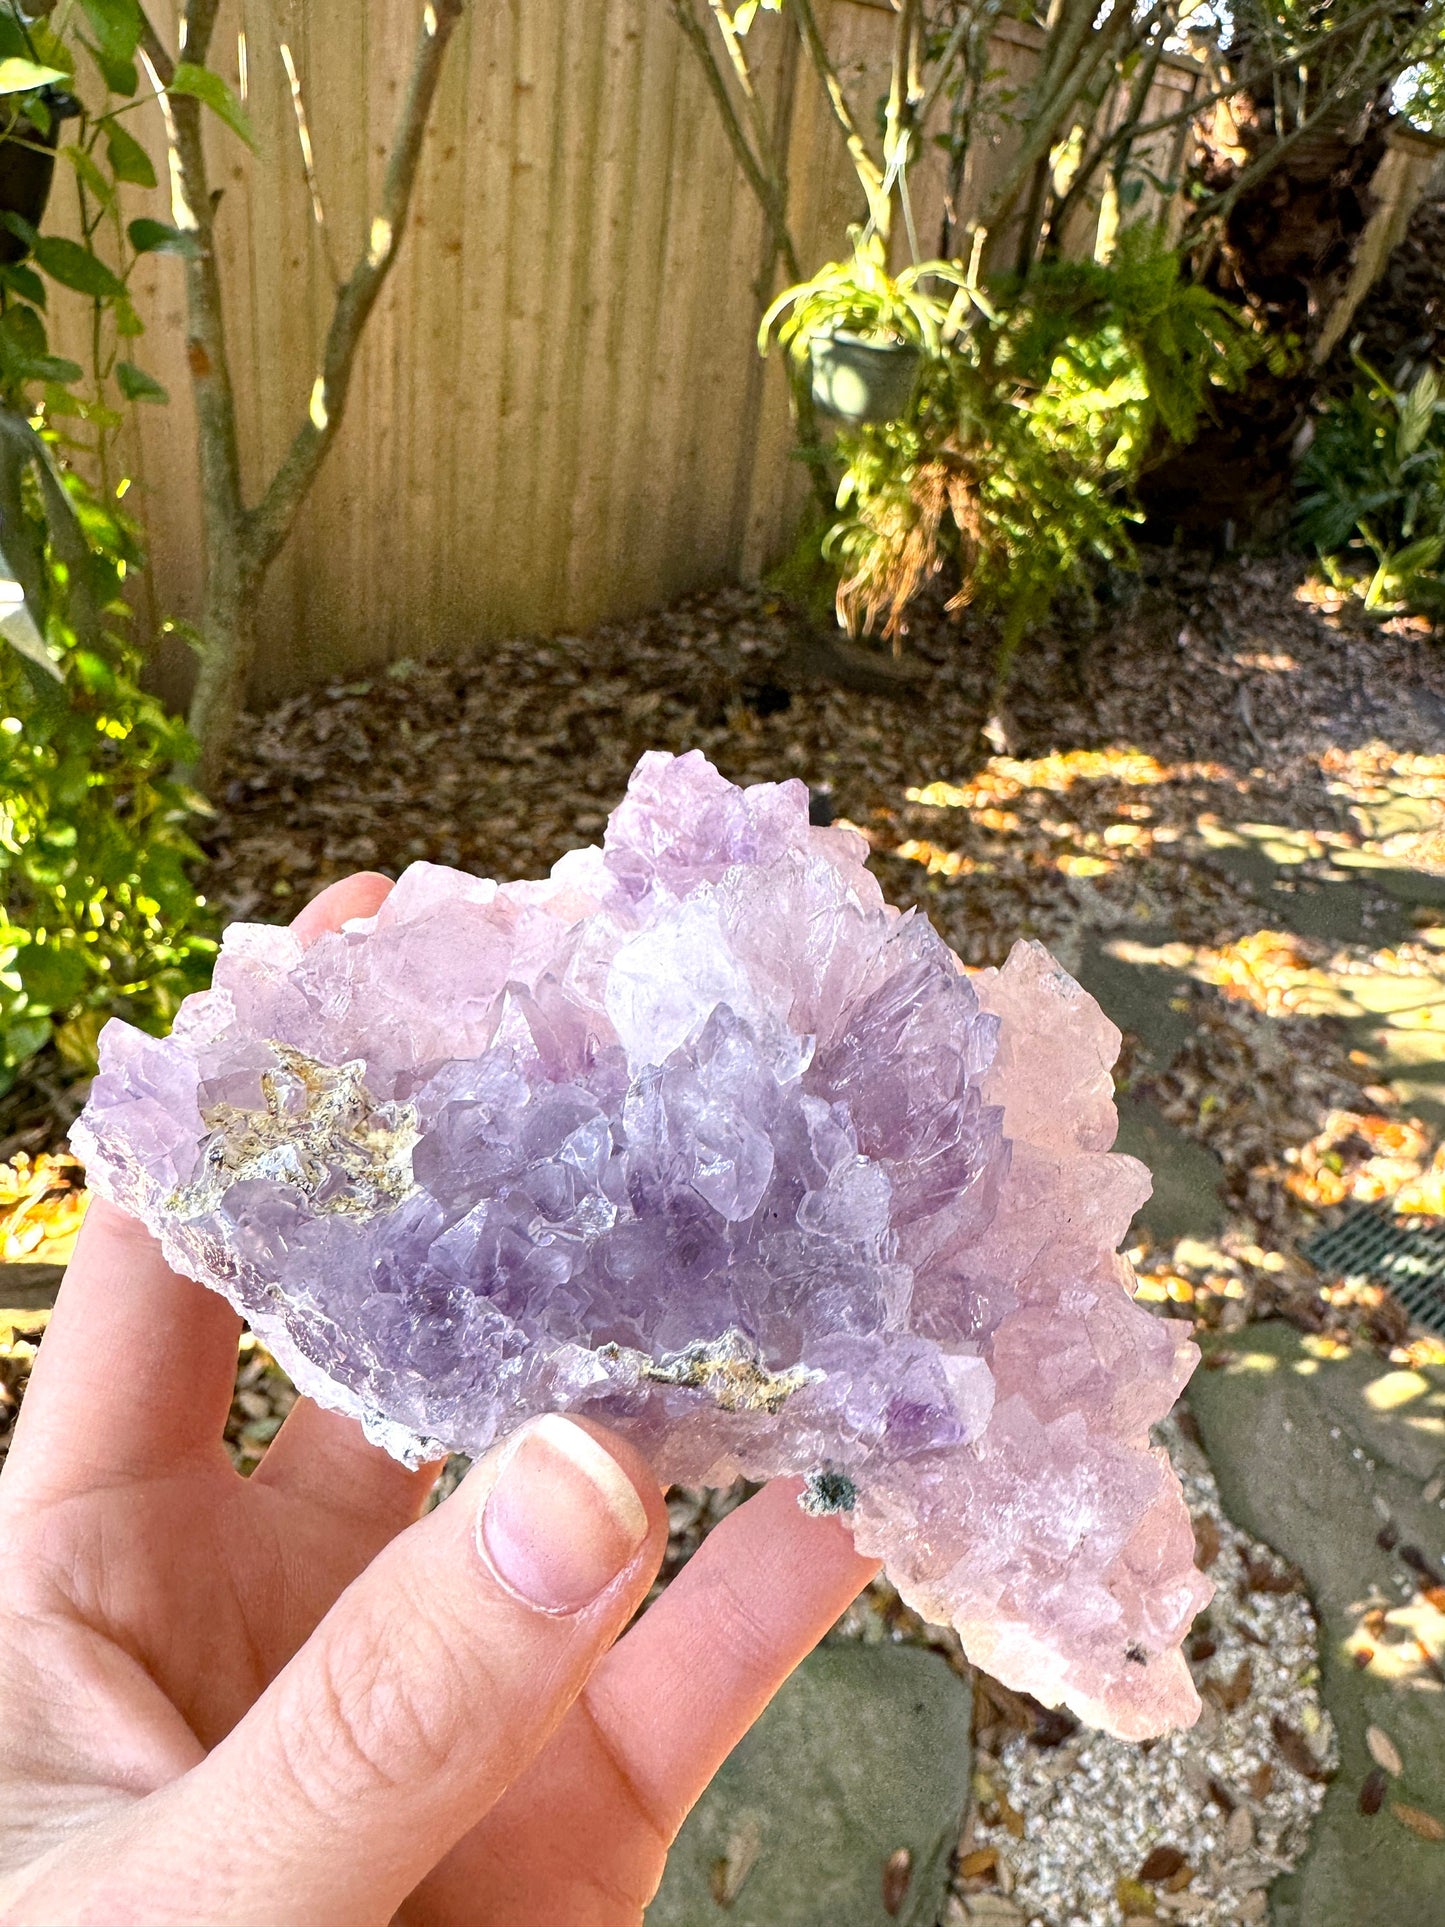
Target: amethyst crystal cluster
{"type": "Point", "coordinates": [701, 1138]}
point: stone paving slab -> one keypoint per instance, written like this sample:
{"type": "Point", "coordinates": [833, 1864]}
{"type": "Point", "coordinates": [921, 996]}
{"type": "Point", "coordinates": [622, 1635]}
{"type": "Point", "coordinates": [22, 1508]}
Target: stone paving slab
{"type": "Point", "coordinates": [29, 1287]}
{"type": "Point", "coordinates": [841, 1808]}
{"type": "Point", "coordinates": [1338, 1462]}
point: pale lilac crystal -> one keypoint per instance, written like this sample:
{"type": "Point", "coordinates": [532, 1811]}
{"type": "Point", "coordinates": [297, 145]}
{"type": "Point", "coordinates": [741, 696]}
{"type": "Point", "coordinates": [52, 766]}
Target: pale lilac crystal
{"type": "Point", "coordinates": [701, 1138]}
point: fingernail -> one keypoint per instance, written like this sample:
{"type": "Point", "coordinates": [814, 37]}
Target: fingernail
{"type": "Point", "coordinates": [563, 1519]}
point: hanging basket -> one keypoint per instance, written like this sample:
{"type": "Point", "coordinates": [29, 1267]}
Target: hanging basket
{"type": "Point", "coordinates": [27, 164]}
{"type": "Point", "coordinates": [857, 380]}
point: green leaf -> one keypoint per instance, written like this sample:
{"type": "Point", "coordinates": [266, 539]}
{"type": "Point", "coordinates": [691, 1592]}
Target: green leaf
{"type": "Point", "coordinates": [136, 385]}
{"type": "Point", "coordinates": [119, 76]}
{"type": "Point", "coordinates": [88, 172]}
{"type": "Point", "coordinates": [23, 281]}
{"type": "Point", "coordinates": [50, 368]}
{"type": "Point", "coordinates": [21, 76]}
{"type": "Point", "coordinates": [23, 328]}
{"type": "Point", "coordinates": [19, 227]}
{"type": "Point", "coordinates": [156, 237]}
{"type": "Point", "coordinates": [76, 267]}
{"type": "Point", "coordinates": [1417, 412]}
{"type": "Point", "coordinates": [199, 83]}
{"type": "Point", "coordinates": [128, 159]}
{"type": "Point", "coordinates": [117, 25]}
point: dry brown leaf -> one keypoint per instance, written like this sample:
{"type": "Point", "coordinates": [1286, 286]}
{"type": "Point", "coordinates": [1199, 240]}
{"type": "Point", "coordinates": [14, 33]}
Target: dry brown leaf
{"type": "Point", "coordinates": [1383, 1750]}
{"type": "Point", "coordinates": [897, 1878]}
{"type": "Point", "coordinates": [1162, 1863]}
{"type": "Point", "coordinates": [1296, 1749]}
{"type": "Point", "coordinates": [1010, 1817]}
{"type": "Point", "coordinates": [1239, 1830]}
{"type": "Point", "coordinates": [981, 1861]}
{"type": "Point", "coordinates": [1418, 1820]}
{"type": "Point", "coordinates": [728, 1873]}
{"type": "Point", "coordinates": [1228, 1694]}
{"type": "Point", "coordinates": [1206, 1541]}
{"type": "Point", "coordinates": [1372, 1792]}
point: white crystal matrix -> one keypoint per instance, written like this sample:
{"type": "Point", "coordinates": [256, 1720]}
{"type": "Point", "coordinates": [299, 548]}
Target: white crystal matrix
{"type": "Point", "coordinates": [702, 1139]}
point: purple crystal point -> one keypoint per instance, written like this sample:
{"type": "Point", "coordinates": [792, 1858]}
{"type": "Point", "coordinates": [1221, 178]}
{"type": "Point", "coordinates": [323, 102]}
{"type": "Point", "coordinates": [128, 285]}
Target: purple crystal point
{"type": "Point", "coordinates": [700, 1137]}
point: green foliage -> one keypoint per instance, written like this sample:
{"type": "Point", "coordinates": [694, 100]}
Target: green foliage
{"type": "Point", "coordinates": [94, 249]}
{"type": "Point", "coordinates": [1372, 485]}
{"type": "Point", "coordinates": [98, 908]}
{"type": "Point", "coordinates": [1017, 458]}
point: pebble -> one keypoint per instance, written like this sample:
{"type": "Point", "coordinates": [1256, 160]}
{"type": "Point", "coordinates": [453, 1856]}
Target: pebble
{"type": "Point", "coordinates": [1095, 1808]}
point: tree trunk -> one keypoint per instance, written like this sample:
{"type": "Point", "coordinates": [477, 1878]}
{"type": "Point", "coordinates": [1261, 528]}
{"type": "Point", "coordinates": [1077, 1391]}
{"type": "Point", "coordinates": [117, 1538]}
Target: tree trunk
{"type": "Point", "coordinates": [228, 629]}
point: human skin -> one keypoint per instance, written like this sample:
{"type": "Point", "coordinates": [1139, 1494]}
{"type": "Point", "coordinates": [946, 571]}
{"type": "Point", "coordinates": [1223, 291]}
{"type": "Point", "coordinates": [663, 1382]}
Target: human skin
{"type": "Point", "coordinates": [290, 1698]}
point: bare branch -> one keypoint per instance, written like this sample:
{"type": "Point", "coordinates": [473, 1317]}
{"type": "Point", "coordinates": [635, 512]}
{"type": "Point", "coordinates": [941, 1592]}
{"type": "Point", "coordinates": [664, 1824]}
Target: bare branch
{"type": "Point", "coordinates": [198, 23]}
{"type": "Point", "coordinates": [943, 66]}
{"type": "Point", "coordinates": [762, 171]}
{"type": "Point", "coordinates": [192, 211]}
{"type": "Point", "coordinates": [870, 175]}
{"type": "Point", "coordinates": [269, 523]}
{"type": "Point", "coordinates": [1047, 110]}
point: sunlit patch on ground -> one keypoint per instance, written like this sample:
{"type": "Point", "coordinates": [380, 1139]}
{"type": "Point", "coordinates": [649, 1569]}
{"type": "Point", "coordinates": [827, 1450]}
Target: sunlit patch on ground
{"type": "Point", "coordinates": [42, 1203]}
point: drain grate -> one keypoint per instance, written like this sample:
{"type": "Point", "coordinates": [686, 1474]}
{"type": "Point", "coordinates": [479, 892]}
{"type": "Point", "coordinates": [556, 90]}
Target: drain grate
{"type": "Point", "coordinates": [1407, 1254]}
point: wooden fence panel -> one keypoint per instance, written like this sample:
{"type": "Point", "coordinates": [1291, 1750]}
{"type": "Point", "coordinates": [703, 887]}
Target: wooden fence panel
{"type": "Point", "coordinates": [557, 415]}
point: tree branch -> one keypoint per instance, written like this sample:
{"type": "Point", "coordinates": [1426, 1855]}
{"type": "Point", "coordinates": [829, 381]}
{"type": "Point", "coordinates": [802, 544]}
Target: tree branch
{"type": "Point", "coordinates": [269, 523]}
{"type": "Point", "coordinates": [1047, 111]}
{"type": "Point", "coordinates": [870, 175]}
{"type": "Point", "coordinates": [766, 181]}
{"type": "Point", "coordinates": [192, 212]}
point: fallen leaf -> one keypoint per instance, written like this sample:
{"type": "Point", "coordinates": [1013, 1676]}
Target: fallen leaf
{"type": "Point", "coordinates": [897, 1878]}
{"type": "Point", "coordinates": [981, 1861]}
{"type": "Point", "coordinates": [1135, 1898]}
{"type": "Point", "coordinates": [1228, 1694]}
{"type": "Point", "coordinates": [1418, 1820]}
{"type": "Point", "coordinates": [731, 1869]}
{"type": "Point", "coordinates": [1261, 1781]}
{"type": "Point", "coordinates": [1266, 1575]}
{"type": "Point", "coordinates": [1239, 1830]}
{"type": "Point", "coordinates": [1372, 1791]}
{"type": "Point", "coordinates": [1206, 1541]}
{"type": "Point", "coordinates": [1161, 1864]}
{"type": "Point", "coordinates": [1296, 1749]}
{"type": "Point", "coordinates": [1383, 1750]}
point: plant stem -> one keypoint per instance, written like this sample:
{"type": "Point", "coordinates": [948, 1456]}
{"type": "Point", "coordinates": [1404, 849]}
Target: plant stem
{"type": "Point", "coordinates": [870, 175]}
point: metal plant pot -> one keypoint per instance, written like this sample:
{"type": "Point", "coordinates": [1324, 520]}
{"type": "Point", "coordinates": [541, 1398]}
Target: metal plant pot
{"type": "Point", "coordinates": [857, 380]}
{"type": "Point", "coordinates": [27, 163]}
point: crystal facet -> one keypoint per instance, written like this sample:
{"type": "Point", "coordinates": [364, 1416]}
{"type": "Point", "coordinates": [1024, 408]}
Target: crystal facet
{"type": "Point", "coordinates": [702, 1139]}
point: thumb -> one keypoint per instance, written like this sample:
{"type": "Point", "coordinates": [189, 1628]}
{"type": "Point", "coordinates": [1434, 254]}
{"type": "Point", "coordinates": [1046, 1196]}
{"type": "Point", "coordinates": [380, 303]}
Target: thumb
{"type": "Point", "coordinates": [431, 1684]}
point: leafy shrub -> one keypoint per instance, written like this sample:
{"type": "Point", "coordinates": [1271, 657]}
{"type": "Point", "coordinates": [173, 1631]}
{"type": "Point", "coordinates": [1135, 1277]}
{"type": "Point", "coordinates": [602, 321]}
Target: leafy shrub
{"type": "Point", "coordinates": [98, 909]}
{"type": "Point", "coordinates": [1372, 485]}
{"type": "Point", "coordinates": [1017, 458]}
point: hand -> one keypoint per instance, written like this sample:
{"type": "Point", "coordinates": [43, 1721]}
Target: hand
{"type": "Point", "coordinates": [290, 1699]}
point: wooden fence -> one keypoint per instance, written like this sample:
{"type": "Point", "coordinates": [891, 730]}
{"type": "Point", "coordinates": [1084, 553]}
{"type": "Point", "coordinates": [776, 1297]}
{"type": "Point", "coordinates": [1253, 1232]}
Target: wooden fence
{"type": "Point", "coordinates": [559, 415]}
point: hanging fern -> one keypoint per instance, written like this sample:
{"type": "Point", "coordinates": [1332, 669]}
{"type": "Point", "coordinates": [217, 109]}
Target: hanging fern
{"type": "Point", "coordinates": [1017, 459]}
